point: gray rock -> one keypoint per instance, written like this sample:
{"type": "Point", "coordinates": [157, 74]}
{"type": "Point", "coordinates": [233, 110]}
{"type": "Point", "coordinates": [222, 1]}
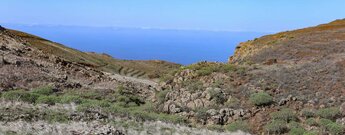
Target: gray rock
{"type": "Point", "coordinates": [212, 112]}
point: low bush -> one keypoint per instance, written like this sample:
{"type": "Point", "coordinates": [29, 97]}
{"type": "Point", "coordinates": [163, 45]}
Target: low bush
{"type": "Point", "coordinates": [332, 127]}
{"type": "Point", "coordinates": [193, 86]}
{"type": "Point", "coordinates": [129, 100]}
{"type": "Point", "coordinates": [51, 100]}
{"type": "Point", "coordinates": [93, 105]}
{"type": "Point", "coordinates": [145, 113]}
{"type": "Point", "coordinates": [45, 90]}
{"type": "Point", "coordinates": [329, 113]}
{"type": "Point", "coordinates": [217, 96]}
{"type": "Point", "coordinates": [238, 125]}
{"type": "Point", "coordinates": [70, 98]}
{"type": "Point", "coordinates": [55, 116]}
{"type": "Point", "coordinates": [216, 128]}
{"type": "Point", "coordinates": [261, 99]}
{"type": "Point", "coordinates": [297, 131]}
{"type": "Point", "coordinates": [232, 102]}
{"type": "Point", "coordinates": [294, 124]}
{"type": "Point", "coordinates": [161, 96]}
{"type": "Point", "coordinates": [205, 68]}
{"type": "Point", "coordinates": [20, 95]}
{"type": "Point", "coordinates": [308, 113]}
{"type": "Point", "coordinates": [324, 122]}
{"type": "Point", "coordinates": [284, 114]}
{"type": "Point", "coordinates": [276, 127]}
{"type": "Point", "coordinates": [311, 122]}
{"type": "Point", "coordinates": [201, 114]}
{"type": "Point", "coordinates": [335, 128]}
{"type": "Point", "coordinates": [311, 133]}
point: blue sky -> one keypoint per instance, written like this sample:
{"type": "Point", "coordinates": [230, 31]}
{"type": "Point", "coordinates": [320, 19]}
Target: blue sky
{"type": "Point", "coordinates": [230, 15]}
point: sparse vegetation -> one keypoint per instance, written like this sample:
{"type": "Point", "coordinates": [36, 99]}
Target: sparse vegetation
{"type": "Point", "coordinates": [55, 116]}
{"type": "Point", "coordinates": [261, 99]}
{"type": "Point", "coordinates": [126, 104]}
{"type": "Point", "coordinates": [70, 99]}
{"type": "Point", "coordinates": [201, 114]}
{"type": "Point", "coordinates": [20, 95]}
{"type": "Point", "coordinates": [310, 133]}
{"type": "Point", "coordinates": [238, 125]}
{"type": "Point", "coordinates": [335, 128]}
{"type": "Point", "coordinates": [45, 90]}
{"type": "Point", "coordinates": [216, 128]}
{"type": "Point", "coordinates": [161, 96]}
{"type": "Point", "coordinates": [232, 102]}
{"type": "Point", "coordinates": [311, 122]}
{"type": "Point", "coordinates": [276, 127]}
{"type": "Point", "coordinates": [332, 127]}
{"type": "Point", "coordinates": [308, 113]}
{"type": "Point", "coordinates": [329, 113]}
{"type": "Point", "coordinates": [217, 96]}
{"type": "Point", "coordinates": [205, 68]}
{"type": "Point", "coordinates": [324, 122]}
{"type": "Point", "coordinates": [285, 114]}
{"type": "Point", "coordinates": [193, 86]}
{"type": "Point", "coordinates": [51, 100]}
{"type": "Point", "coordinates": [297, 131]}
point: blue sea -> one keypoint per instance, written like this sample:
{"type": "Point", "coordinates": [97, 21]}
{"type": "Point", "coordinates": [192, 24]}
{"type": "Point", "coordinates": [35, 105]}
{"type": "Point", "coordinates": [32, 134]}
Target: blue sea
{"type": "Point", "coordinates": [179, 46]}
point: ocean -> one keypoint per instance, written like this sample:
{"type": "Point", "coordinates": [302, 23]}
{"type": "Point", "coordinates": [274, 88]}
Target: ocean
{"type": "Point", "coordinates": [179, 46]}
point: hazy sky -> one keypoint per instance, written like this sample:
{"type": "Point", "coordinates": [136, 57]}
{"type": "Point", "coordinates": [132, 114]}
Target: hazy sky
{"type": "Point", "coordinates": [233, 15]}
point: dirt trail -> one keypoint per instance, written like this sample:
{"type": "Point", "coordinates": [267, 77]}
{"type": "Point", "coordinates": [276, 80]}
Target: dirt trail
{"type": "Point", "coordinates": [132, 79]}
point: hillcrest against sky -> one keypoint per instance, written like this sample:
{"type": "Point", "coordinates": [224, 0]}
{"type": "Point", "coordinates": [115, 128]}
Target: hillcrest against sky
{"type": "Point", "coordinates": [225, 15]}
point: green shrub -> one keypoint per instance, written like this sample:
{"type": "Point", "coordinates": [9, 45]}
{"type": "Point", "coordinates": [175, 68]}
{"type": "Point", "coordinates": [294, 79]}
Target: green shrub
{"type": "Point", "coordinates": [193, 86]}
{"type": "Point", "coordinates": [86, 94]}
{"type": "Point", "coordinates": [310, 133]}
{"type": "Point", "coordinates": [294, 124]}
{"type": "Point", "coordinates": [46, 90]}
{"type": "Point", "coordinates": [217, 96]}
{"type": "Point", "coordinates": [308, 113]}
{"type": "Point", "coordinates": [171, 118]}
{"type": "Point", "coordinates": [335, 128]}
{"type": "Point", "coordinates": [121, 90]}
{"type": "Point", "coordinates": [276, 126]}
{"type": "Point", "coordinates": [284, 114]}
{"type": "Point", "coordinates": [261, 99]}
{"type": "Point", "coordinates": [232, 102]}
{"type": "Point", "coordinates": [332, 127]}
{"type": "Point", "coordinates": [93, 104]}
{"type": "Point", "coordinates": [71, 98]}
{"type": "Point", "coordinates": [118, 110]}
{"type": "Point", "coordinates": [237, 125]}
{"type": "Point", "coordinates": [204, 68]}
{"type": "Point", "coordinates": [311, 122]}
{"type": "Point", "coordinates": [20, 95]}
{"type": "Point", "coordinates": [324, 122]}
{"type": "Point", "coordinates": [216, 128]}
{"type": "Point", "coordinates": [129, 100]}
{"type": "Point", "coordinates": [51, 100]}
{"type": "Point", "coordinates": [55, 116]}
{"type": "Point", "coordinates": [297, 131]}
{"type": "Point", "coordinates": [161, 95]}
{"type": "Point", "coordinates": [145, 113]}
{"type": "Point", "coordinates": [329, 113]}
{"type": "Point", "coordinates": [201, 114]}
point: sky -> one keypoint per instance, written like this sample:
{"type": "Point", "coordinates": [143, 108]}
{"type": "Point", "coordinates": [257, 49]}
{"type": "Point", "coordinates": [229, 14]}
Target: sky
{"type": "Point", "coordinates": [225, 15]}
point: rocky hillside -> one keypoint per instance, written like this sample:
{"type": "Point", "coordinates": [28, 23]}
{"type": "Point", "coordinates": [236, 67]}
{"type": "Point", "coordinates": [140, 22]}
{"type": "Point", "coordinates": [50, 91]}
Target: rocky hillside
{"type": "Point", "coordinates": [143, 69]}
{"type": "Point", "coordinates": [286, 83]}
{"type": "Point", "coordinates": [47, 88]}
